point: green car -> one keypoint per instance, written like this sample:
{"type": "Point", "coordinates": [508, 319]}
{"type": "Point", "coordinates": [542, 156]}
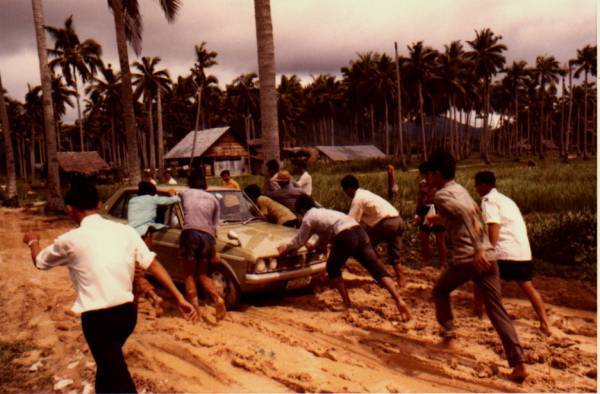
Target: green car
{"type": "Point", "coordinates": [246, 242]}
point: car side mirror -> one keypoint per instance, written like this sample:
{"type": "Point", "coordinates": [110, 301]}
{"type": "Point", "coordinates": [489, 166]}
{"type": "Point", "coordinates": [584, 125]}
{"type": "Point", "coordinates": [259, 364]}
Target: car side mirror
{"type": "Point", "coordinates": [232, 235]}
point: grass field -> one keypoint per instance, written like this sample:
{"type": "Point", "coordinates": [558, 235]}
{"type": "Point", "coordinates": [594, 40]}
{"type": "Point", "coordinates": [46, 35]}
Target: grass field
{"type": "Point", "coordinates": [559, 202]}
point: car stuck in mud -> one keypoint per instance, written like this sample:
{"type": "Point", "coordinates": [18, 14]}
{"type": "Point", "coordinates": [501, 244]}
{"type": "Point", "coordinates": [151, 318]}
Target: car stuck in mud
{"type": "Point", "coordinates": [246, 243]}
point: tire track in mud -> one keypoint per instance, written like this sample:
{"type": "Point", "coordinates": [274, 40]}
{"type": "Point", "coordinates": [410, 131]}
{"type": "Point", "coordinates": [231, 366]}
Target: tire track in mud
{"type": "Point", "coordinates": [302, 342]}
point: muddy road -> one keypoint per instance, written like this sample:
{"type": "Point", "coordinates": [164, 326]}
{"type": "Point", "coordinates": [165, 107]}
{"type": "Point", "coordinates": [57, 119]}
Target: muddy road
{"type": "Point", "coordinates": [300, 342]}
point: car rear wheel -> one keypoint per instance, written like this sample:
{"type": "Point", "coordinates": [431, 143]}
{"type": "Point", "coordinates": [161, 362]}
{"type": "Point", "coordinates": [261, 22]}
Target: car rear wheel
{"type": "Point", "coordinates": [226, 287]}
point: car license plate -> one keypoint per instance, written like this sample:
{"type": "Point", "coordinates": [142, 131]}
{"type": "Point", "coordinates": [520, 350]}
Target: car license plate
{"type": "Point", "coordinates": [297, 283]}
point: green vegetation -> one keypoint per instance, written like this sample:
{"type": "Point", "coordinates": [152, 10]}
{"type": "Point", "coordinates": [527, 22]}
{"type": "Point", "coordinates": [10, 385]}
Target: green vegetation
{"type": "Point", "coordinates": [558, 201]}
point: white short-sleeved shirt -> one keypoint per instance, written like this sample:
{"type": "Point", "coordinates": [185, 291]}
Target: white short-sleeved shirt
{"type": "Point", "coordinates": [369, 209]}
{"type": "Point", "coordinates": [101, 257]}
{"type": "Point", "coordinates": [305, 182]}
{"type": "Point", "coordinates": [513, 243]}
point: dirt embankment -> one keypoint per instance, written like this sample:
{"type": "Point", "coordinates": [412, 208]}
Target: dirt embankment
{"type": "Point", "coordinates": [302, 342]}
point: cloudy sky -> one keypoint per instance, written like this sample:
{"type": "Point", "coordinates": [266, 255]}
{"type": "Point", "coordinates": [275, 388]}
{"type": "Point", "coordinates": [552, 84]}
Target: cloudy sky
{"type": "Point", "coordinates": [311, 36]}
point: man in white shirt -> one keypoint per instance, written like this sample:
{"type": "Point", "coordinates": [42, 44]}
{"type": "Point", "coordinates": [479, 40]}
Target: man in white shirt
{"type": "Point", "coordinates": [101, 257]}
{"type": "Point", "coordinates": [380, 218]}
{"type": "Point", "coordinates": [347, 240]}
{"type": "Point", "coordinates": [305, 180]}
{"type": "Point", "coordinates": [508, 234]}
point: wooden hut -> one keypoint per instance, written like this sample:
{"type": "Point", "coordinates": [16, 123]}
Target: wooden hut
{"type": "Point", "coordinates": [216, 150]}
{"type": "Point", "coordinates": [82, 163]}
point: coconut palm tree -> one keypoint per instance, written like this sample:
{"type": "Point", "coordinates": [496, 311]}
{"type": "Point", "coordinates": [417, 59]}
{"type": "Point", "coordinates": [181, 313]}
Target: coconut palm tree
{"type": "Point", "coordinates": [586, 64]}
{"type": "Point", "coordinates": [547, 71]}
{"type": "Point", "coordinates": [54, 199]}
{"type": "Point", "coordinates": [61, 98]}
{"type": "Point", "coordinates": [418, 68]}
{"type": "Point", "coordinates": [514, 82]}
{"type": "Point", "coordinates": [204, 59]}
{"type": "Point", "coordinates": [451, 76]}
{"type": "Point", "coordinates": [266, 75]}
{"type": "Point", "coordinates": [128, 27]}
{"type": "Point", "coordinates": [290, 107]}
{"type": "Point", "coordinates": [149, 82]}
{"type": "Point", "coordinates": [74, 57]}
{"type": "Point", "coordinates": [105, 93]}
{"type": "Point", "coordinates": [487, 58]}
{"type": "Point", "coordinates": [11, 191]}
{"type": "Point", "coordinates": [33, 113]}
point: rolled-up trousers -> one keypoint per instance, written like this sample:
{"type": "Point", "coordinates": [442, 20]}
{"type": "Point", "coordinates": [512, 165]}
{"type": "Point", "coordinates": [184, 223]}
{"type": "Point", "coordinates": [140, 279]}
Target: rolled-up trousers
{"type": "Point", "coordinates": [488, 284]}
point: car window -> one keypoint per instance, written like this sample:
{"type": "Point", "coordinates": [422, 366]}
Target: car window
{"type": "Point", "coordinates": [119, 210]}
{"type": "Point", "coordinates": [235, 207]}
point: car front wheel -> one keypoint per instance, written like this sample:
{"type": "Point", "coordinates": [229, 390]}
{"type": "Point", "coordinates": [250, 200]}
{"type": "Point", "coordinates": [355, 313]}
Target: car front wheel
{"type": "Point", "coordinates": [226, 287]}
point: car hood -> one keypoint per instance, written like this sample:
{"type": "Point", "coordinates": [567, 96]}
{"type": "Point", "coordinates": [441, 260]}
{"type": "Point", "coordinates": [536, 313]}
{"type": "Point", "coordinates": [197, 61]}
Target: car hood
{"type": "Point", "coordinates": [259, 239]}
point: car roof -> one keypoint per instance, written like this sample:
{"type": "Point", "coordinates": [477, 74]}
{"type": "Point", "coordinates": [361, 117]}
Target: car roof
{"type": "Point", "coordinates": [166, 187]}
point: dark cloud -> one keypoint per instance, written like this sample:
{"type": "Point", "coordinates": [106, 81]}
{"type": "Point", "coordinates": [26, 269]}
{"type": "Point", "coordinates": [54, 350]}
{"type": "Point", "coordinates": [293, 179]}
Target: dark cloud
{"type": "Point", "coordinates": [311, 36]}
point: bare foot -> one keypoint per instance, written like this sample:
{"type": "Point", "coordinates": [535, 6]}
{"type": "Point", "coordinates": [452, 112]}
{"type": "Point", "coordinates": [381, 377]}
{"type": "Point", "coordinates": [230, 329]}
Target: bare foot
{"type": "Point", "coordinates": [545, 329]}
{"type": "Point", "coordinates": [220, 309]}
{"type": "Point", "coordinates": [404, 312]}
{"type": "Point", "coordinates": [518, 374]}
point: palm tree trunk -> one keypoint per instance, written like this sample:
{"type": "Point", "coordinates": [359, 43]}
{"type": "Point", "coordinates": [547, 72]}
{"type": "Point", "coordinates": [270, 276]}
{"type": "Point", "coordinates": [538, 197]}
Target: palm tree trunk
{"type": "Point", "coordinates": [151, 145]}
{"type": "Point", "coordinates": [332, 125]}
{"type": "Point", "coordinates": [484, 133]}
{"type": "Point", "coordinates": [578, 131]}
{"type": "Point", "coordinates": [133, 158]}
{"type": "Point", "coordinates": [372, 116]}
{"type": "Point", "coordinates": [54, 200]}
{"type": "Point", "coordinates": [266, 76]}
{"type": "Point", "coordinates": [160, 136]}
{"type": "Point", "coordinates": [422, 116]}
{"type": "Point", "coordinates": [387, 129]}
{"type": "Point", "coordinates": [570, 114]}
{"type": "Point", "coordinates": [562, 120]}
{"type": "Point", "coordinates": [585, 115]}
{"type": "Point", "coordinates": [79, 120]}
{"type": "Point", "coordinates": [32, 155]}
{"type": "Point", "coordinates": [9, 156]}
{"type": "Point", "coordinates": [113, 139]}
{"type": "Point", "coordinates": [399, 99]}
{"type": "Point", "coordinates": [196, 127]}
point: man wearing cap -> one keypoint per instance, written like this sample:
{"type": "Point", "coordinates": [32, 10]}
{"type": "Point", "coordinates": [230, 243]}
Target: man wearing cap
{"type": "Point", "coordinates": [381, 219]}
{"type": "Point", "coordinates": [287, 194]}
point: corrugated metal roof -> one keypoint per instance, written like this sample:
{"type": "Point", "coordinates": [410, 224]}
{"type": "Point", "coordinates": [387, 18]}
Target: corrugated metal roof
{"type": "Point", "coordinates": [204, 140]}
{"type": "Point", "coordinates": [351, 152]}
{"type": "Point", "coordinates": [86, 163]}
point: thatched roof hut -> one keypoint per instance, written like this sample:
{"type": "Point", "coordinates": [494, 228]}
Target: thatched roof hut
{"type": "Point", "coordinates": [82, 163]}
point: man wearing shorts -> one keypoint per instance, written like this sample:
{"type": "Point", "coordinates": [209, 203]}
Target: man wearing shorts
{"type": "Point", "coordinates": [381, 220]}
{"type": "Point", "coordinates": [201, 213]}
{"type": "Point", "coordinates": [508, 234]}
{"type": "Point", "coordinates": [347, 240]}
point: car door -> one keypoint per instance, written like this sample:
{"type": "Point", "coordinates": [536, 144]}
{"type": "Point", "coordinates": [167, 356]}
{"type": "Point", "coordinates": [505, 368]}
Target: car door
{"type": "Point", "coordinates": [166, 241]}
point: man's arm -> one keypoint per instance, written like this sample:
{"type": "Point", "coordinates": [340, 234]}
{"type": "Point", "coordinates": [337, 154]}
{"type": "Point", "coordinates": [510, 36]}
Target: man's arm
{"type": "Point", "coordinates": [493, 233]}
{"type": "Point", "coordinates": [356, 209]}
{"type": "Point", "coordinates": [51, 256]}
{"type": "Point", "coordinates": [167, 200]}
{"type": "Point", "coordinates": [304, 233]}
{"type": "Point", "coordinates": [449, 205]}
{"type": "Point", "coordinates": [158, 271]}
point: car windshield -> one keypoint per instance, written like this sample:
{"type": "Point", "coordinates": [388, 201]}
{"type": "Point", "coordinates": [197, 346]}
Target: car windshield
{"type": "Point", "coordinates": [235, 207]}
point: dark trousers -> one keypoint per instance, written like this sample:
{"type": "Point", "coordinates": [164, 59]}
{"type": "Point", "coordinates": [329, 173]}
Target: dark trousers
{"type": "Point", "coordinates": [354, 242]}
{"type": "Point", "coordinates": [106, 331]}
{"type": "Point", "coordinates": [389, 230]}
{"type": "Point", "coordinates": [488, 284]}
